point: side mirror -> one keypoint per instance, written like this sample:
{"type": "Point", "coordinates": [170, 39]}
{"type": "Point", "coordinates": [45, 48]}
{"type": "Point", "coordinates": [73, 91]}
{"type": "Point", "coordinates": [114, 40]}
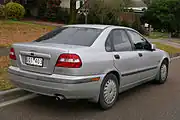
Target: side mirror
{"type": "Point", "coordinates": [153, 47]}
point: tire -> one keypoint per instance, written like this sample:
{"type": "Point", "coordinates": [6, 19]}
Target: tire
{"type": "Point", "coordinates": [110, 81]}
{"type": "Point", "coordinates": [162, 76]}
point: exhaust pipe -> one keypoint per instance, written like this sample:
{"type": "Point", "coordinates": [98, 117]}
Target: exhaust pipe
{"type": "Point", "coordinates": [59, 97]}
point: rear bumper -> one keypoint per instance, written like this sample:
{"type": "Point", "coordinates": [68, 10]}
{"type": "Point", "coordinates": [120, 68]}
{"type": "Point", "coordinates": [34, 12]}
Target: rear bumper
{"type": "Point", "coordinates": [71, 87]}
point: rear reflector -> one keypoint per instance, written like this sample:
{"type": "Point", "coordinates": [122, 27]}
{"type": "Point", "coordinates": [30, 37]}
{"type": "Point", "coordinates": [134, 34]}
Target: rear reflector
{"type": "Point", "coordinates": [69, 61]}
{"type": "Point", "coordinates": [12, 54]}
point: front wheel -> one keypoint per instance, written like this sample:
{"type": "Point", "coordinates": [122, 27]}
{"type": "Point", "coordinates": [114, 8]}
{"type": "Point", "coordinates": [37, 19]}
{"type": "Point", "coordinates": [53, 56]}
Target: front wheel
{"type": "Point", "coordinates": [163, 73]}
{"type": "Point", "coordinates": [109, 91]}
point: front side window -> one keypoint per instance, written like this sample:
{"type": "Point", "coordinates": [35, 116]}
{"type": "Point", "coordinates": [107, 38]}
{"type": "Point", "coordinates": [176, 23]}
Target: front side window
{"type": "Point", "coordinates": [121, 41]}
{"type": "Point", "coordinates": [139, 42]}
{"type": "Point", "coordinates": [71, 35]}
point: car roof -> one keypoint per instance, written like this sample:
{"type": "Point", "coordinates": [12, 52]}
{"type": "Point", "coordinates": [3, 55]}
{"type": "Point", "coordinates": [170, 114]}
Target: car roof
{"type": "Point", "coordinates": [96, 26]}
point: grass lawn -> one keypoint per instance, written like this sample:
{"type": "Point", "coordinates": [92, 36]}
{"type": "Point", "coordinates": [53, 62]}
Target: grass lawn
{"type": "Point", "coordinates": [4, 82]}
{"type": "Point", "coordinates": [171, 50]}
{"type": "Point", "coordinates": [158, 35]}
{"type": "Point", "coordinates": [176, 41]}
{"type": "Point", "coordinates": [14, 31]}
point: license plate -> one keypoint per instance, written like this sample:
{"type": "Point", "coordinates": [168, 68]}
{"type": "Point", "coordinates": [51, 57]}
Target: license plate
{"type": "Point", "coordinates": [34, 61]}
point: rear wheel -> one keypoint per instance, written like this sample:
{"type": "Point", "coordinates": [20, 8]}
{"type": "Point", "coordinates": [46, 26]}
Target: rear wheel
{"type": "Point", "coordinates": [163, 73]}
{"type": "Point", "coordinates": [109, 91]}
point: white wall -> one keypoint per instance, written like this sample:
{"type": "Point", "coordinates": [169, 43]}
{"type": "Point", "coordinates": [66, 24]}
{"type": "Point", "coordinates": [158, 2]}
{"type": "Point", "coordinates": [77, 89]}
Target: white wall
{"type": "Point", "coordinates": [65, 3]}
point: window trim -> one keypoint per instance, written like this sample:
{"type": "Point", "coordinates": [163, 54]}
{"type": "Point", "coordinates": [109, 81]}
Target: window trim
{"type": "Point", "coordinates": [121, 29]}
{"type": "Point", "coordinates": [111, 41]}
{"type": "Point", "coordinates": [39, 39]}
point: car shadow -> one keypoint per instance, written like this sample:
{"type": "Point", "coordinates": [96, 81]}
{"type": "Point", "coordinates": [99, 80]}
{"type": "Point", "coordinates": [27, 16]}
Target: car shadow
{"type": "Point", "coordinates": [83, 106]}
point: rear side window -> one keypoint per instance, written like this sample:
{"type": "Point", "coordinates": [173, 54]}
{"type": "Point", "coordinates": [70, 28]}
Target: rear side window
{"type": "Point", "coordinates": [121, 41]}
{"type": "Point", "coordinates": [71, 36]}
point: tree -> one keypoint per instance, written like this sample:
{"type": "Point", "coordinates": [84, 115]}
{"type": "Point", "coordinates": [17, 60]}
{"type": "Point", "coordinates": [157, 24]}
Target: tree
{"type": "Point", "coordinates": [164, 15]}
{"type": "Point", "coordinates": [106, 11]}
{"type": "Point", "coordinates": [99, 7]}
{"type": "Point", "coordinates": [147, 2]}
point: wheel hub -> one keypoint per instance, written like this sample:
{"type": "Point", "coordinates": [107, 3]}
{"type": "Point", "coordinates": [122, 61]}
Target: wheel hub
{"type": "Point", "coordinates": [110, 91]}
{"type": "Point", "coordinates": [163, 72]}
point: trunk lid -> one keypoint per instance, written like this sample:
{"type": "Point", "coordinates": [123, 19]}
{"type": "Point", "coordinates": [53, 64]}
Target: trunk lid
{"type": "Point", "coordinates": [47, 51]}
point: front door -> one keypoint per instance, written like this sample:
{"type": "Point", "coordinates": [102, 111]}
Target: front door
{"type": "Point", "coordinates": [149, 59]}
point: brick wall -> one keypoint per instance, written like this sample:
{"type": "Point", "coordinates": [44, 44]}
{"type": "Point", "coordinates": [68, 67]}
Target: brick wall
{"type": "Point", "coordinates": [129, 17]}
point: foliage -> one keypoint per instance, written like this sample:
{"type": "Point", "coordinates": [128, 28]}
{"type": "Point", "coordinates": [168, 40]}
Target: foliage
{"type": "Point", "coordinates": [140, 28]}
{"type": "Point", "coordinates": [125, 24]}
{"type": "Point", "coordinates": [53, 6]}
{"type": "Point", "coordinates": [2, 11]}
{"type": "Point", "coordinates": [42, 8]}
{"type": "Point", "coordinates": [164, 15]}
{"type": "Point", "coordinates": [63, 15]}
{"type": "Point", "coordinates": [14, 10]}
{"type": "Point", "coordinates": [6, 1]}
{"type": "Point", "coordinates": [147, 2]}
{"type": "Point", "coordinates": [104, 11]}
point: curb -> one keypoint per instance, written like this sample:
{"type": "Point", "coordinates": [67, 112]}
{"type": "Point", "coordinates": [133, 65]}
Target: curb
{"type": "Point", "coordinates": [11, 91]}
{"type": "Point", "coordinates": [175, 58]}
{"type": "Point", "coordinates": [12, 94]}
{"type": "Point", "coordinates": [20, 99]}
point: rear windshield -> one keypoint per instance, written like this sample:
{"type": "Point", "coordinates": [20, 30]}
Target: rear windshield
{"type": "Point", "coordinates": [71, 36]}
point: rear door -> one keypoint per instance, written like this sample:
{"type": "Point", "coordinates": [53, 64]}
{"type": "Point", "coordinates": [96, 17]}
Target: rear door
{"type": "Point", "coordinates": [125, 59]}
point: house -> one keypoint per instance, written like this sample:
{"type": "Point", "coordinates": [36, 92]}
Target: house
{"type": "Point", "coordinates": [138, 6]}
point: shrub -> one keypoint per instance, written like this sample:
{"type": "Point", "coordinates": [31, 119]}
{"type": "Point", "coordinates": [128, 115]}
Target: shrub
{"type": "Point", "coordinates": [140, 28]}
{"type": "Point", "coordinates": [125, 24]}
{"type": "Point", "coordinates": [52, 9]}
{"type": "Point", "coordinates": [2, 11]}
{"type": "Point", "coordinates": [63, 15]}
{"type": "Point", "coordinates": [14, 10]}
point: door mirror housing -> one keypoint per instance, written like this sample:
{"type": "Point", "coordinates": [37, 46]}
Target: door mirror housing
{"type": "Point", "coordinates": [153, 47]}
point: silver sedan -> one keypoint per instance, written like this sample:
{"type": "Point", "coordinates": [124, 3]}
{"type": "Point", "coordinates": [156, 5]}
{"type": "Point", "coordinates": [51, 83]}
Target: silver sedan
{"type": "Point", "coordinates": [93, 62]}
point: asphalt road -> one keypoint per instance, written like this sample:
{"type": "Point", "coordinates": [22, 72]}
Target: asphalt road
{"type": "Point", "coordinates": [146, 102]}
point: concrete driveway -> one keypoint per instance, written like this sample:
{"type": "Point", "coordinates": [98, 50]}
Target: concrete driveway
{"type": "Point", "coordinates": [146, 102]}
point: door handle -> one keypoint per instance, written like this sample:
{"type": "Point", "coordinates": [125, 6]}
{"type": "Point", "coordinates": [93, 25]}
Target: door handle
{"type": "Point", "coordinates": [117, 56]}
{"type": "Point", "coordinates": [140, 54]}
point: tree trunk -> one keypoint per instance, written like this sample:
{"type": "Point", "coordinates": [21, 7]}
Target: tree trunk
{"type": "Point", "coordinates": [73, 11]}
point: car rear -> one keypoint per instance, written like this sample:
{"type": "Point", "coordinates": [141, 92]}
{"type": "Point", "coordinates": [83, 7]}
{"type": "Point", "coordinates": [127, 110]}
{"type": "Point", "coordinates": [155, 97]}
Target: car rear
{"type": "Point", "coordinates": [49, 66]}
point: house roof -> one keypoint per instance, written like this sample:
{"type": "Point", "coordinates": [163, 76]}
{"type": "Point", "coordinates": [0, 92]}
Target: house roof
{"type": "Point", "coordinates": [138, 3]}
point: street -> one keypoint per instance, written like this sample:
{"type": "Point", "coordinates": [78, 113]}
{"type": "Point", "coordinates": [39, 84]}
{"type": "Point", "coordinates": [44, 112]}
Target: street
{"type": "Point", "coordinates": [146, 102]}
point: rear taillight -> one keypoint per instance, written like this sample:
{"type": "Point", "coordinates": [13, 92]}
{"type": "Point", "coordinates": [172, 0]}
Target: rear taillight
{"type": "Point", "coordinates": [69, 61]}
{"type": "Point", "coordinates": [12, 54]}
